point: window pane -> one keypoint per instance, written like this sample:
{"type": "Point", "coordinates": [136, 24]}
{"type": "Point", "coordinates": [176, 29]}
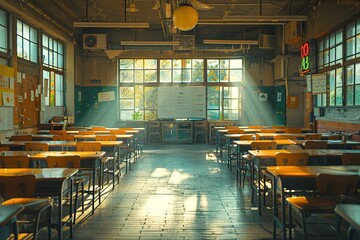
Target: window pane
{"type": "Point", "coordinates": [126, 64]}
{"type": "Point", "coordinates": [357, 94]}
{"type": "Point", "coordinates": [165, 75]}
{"type": "Point", "coordinates": [350, 95]}
{"type": "Point", "coordinates": [165, 64]}
{"type": "Point", "coordinates": [197, 75]}
{"type": "Point", "coordinates": [26, 49]}
{"type": "Point", "coordinates": [339, 36]}
{"type": "Point", "coordinates": [176, 75]}
{"type": "Point", "coordinates": [33, 52]}
{"type": "Point", "coordinates": [213, 75]}
{"type": "Point", "coordinates": [198, 63]}
{"type": "Point", "coordinates": [59, 98]}
{"type": "Point", "coordinates": [350, 47]}
{"type": "Point", "coordinates": [332, 87]}
{"type": "Point", "coordinates": [213, 64]}
{"type": "Point", "coordinates": [46, 86]}
{"type": "Point", "coordinates": [127, 92]}
{"type": "Point", "coordinates": [350, 74]}
{"type": "Point", "coordinates": [235, 75]}
{"type": "Point", "coordinates": [127, 76]}
{"type": "Point", "coordinates": [224, 75]}
{"type": "Point", "coordinates": [19, 28]}
{"type": "Point", "coordinates": [33, 35]}
{"type": "Point", "coordinates": [350, 30]}
{"type": "Point", "coordinates": [186, 75]}
{"type": "Point", "coordinates": [150, 76]}
{"type": "Point", "coordinates": [236, 63]}
{"type": "Point", "coordinates": [26, 31]}
{"type": "Point", "coordinates": [357, 73]}
{"type": "Point", "coordinates": [150, 63]}
{"type": "Point", "coordinates": [139, 76]}
{"type": "Point", "coordinates": [3, 39]}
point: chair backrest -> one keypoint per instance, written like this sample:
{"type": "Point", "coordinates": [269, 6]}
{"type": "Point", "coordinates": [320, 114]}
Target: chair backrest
{"type": "Point", "coordinates": [292, 130]}
{"type": "Point", "coordinates": [88, 146]}
{"type": "Point", "coordinates": [231, 127]}
{"type": "Point", "coordinates": [58, 132]}
{"type": "Point", "coordinates": [21, 161]}
{"type": "Point", "coordinates": [70, 161]}
{"type": "Point", "coordinates": [98, 128]}
{"type": "Point", "coordinates": [4, 148]}
{"type": "Point", "coordinates": [235, 131]}
{"type": "Point", "coordinates": [21, 138]}
{"type": "Point", "coordinates": [118, 131]}
{"type": "Point", "coordinates": [126, 129]}
{"type": "Point", "coordinates": [86, 133]}
{"type": "Point", "coordinates": [17, 186]}
{"type": "Point", "coordinates": [315, 144]}
{"type": "Point", "coordinates": [278, 127]}
{"type": "Point", "coordinates": [255, 127]}
{"type": "Point", "coordinates": [105, 138]}
{"type": "Point", "coordinates": [66, 137]}
{"type": "Point", "coordinates": [36, 146]}
{"type": "Point", "coordinates": [312, 136]}
{"type": "Point", "coordinates": [336, 185]}
{"type": "Point", "coordinates": [263, 145]}
{"type": "Point", "coordinates": [246, 137]}
{"type": "Point", "coordinates": [350, 158]}
{"type": "Point", "coordinates": [284, 136]}
{"type": "Point", "coordinates": [292, 159]}
{"type": "Point", "coordinates": [267, 130]}
{"type": "Point", "coordinates": [334, 137]}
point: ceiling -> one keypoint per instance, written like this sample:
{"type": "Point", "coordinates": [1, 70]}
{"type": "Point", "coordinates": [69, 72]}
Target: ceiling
{"type": "Point", "coordinates": [211, 24]}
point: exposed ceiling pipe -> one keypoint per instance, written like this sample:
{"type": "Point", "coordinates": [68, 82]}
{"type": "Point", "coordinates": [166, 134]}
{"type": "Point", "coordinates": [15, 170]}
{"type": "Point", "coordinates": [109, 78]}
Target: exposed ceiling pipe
{"type": "Point", "coordinates": [46, 16]}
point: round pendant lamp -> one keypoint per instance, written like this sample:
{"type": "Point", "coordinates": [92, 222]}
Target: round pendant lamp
{"type": "Point", "coordinates": [185, 17]}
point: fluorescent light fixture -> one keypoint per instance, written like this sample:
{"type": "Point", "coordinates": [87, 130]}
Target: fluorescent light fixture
{"type": "Point", "coordinates": [233, 42]}
{"type": "Point", "coordinates": [149, 43]}
{"type": "Point", "coordinates": [111, 24]}
{"type": "Point", "coordinates": [234, 23]}
{"type": "Point", "coordinates": [243, 18]}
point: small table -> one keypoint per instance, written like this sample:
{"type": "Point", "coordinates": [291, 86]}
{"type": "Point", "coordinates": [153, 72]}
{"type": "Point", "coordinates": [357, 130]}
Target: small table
{"type": "Point", "coordinates": [8, 219]}
{"type": "Point", "coordinates": [351, 214]}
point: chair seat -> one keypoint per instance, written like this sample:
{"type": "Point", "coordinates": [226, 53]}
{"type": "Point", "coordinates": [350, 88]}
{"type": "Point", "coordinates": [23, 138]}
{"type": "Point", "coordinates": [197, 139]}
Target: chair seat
{"type": "Point", "coordinates": [312, 204]}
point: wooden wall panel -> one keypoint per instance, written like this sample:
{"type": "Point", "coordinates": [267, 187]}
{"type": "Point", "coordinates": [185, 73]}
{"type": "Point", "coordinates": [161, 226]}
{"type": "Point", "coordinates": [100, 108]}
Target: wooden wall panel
{"type": "Point", "coordinates": [325, 126]}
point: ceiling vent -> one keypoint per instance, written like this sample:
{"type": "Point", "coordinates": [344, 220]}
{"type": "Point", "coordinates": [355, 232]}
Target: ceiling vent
{"type": "Point", "coordinates": [187, 42]}
{"type": "Point", "coordinates": [266, 41]}
{"type": "Point", "coordinates": [94, 41]}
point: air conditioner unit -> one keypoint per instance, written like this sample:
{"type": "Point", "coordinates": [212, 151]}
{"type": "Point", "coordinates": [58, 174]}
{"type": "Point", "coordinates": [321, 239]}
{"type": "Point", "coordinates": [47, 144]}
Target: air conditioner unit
{"type": "Point", "coordinates": [293, 32]}
{"type": "Point", "coordinates": [266, 41]}
{"type": "Point", "coordinates": [94, 41]}
{"type": "Point", "coordinates": [187, 42]}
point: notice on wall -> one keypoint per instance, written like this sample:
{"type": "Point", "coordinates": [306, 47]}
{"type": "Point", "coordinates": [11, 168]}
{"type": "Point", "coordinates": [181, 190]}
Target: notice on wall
{"type": "Point", "coordinates": [181, 102]}
{"type": "Point", "coordinates": [318, 83]}
{"type": "Point", "coordinates": [106, 96]}
{"type": "Point", "coordinates": [8, 99]}
{"type": "Point", "coordinates": [6, 118]}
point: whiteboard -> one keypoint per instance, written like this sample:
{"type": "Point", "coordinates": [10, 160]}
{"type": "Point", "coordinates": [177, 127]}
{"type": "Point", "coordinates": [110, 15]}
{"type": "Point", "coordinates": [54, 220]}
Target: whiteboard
{"type": "Point", "coordinates": [181, 102]}
{"type": "Point", "coordinates": [6, 118]}
{"type": "Point", "coordinates": [318, 83]}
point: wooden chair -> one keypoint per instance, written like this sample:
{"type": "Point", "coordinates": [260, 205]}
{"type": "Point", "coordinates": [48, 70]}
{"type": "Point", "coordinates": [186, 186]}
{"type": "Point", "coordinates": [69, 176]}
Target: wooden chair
{"type": "Point", "coordinates": [58, 132]}
{"type": "Point", "coordinates": [246, 137]}
{"type": "Point", "coordinates": [314, 144]}
{"type": "Point", "coordinates": [21, 138]}
{"type": "Point", "coordinates": [267, 130]}
{"type": "Point", "coordinates": [312, 136]}
{"type": "Point", "coordinates": [105, 138]}
{"type": "Point", "coordinates": [154, 130]}
{"type": "Point", "coordinates": [98, 128]}
{"type": "Point", "coordinates": [86, 133]}
{"type": "Point", "coordinates": [255, 127]}
{"type": "Point", "coordinates": [350, 159]}
{"type": "Point", "coordinates": [21, 190]}
{"type": "Point", "coordinates": [329, 187]}
{"type": "Point", "coordinates": [235, 131]}
{"type": "Point", "coordinates": [257, 179]}
{"type": "Point", "coordinates": [118, 132]}
{"type": "Point", "coordinates": [200, 129]}
{"type": "Point", "coordinates": [4, 148]}
{"type": "Point", "coordinates": [334, 137]}
{"type": "Point", "coordinates": [284, 136]}
{"type": "Point", "coordinates": [88, 146]}
{"type": "Point", "coordinates": [292, 130]}
{"type": "Point", "coordinates": [292, 159]}
{"type": "Point", "coordinates": [72, 161]}
{"type": "Point", "coordinates": [66, 137]}
{"type": "Point", "coordinates": [21, 161]}
{"type": "Point", "coordinates": [36, 146]}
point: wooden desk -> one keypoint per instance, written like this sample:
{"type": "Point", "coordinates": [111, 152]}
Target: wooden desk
{"type": "Point", "coordinates": [8, 219]}
{"type": "Point", "coordinates": [89, 161]}
{"type": "Point", "coordinates": [298, 178]}
{"type": "Point", "coordinates": [49, 182]}
{"type": "Point", "coordinates": [333, 144]}
{"type": "Point", "coordinates": [351, 214]}
{"type": "Point", "coordinates": [311, 152]}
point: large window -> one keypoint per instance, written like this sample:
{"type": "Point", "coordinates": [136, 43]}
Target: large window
{"type": "Point", "coordinates": [330, 50]}
{"type": "Point", "coordinates": [140, 78]}
{"type": "Point", "coordinates": [53, 73]}
{"type": "Point", "coordinates": [4, 26]}
{"type": "Point", "coordinates": [27, 42]}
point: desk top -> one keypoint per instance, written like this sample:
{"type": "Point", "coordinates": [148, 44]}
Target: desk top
{"type": "Point", "coordinates": [42, 155]}
{"type": "Point", "coordinates": [311, 171]}
{"type": "Point", "coordinates": [311, 152]}
{"type": "Point", "coordinates": [8, 212]}
{"type": "Point", "coordinates": [59, 143]}
{"type": "Point", "coordinates": [40, 173]}
{"type": "Point", "coordinates": [350, 213]}
{"type": "Point", "coordinates": [74, 132]}
{"type": "Point", "coordinates": [279, 142]}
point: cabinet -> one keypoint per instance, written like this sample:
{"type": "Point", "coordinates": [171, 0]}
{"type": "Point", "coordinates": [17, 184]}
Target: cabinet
{"type": "Point", "coordinates": [177, 132]}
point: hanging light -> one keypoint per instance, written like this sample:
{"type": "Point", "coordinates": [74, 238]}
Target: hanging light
{"type": "Point", "coordinates": [185, 17]}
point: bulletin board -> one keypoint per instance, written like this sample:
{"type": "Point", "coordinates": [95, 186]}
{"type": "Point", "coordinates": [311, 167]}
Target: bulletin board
{"type": "Point", "coordinates": [7, 98]}
{"type": "Point", "coordinates": [319, 83]}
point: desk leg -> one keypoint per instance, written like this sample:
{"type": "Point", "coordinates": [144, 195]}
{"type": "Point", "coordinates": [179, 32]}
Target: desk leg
{"type": "Point", "coordinates": [275, 211]}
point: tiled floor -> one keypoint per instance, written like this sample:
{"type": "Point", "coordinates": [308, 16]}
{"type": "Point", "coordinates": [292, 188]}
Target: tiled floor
{"type": "Point", "coordinates": [177, 192]}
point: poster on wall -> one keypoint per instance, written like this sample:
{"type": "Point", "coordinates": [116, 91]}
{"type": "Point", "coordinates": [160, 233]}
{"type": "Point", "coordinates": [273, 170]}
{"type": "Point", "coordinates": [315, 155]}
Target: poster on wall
{"type": "Point", "coordinates": [106, 96]}
{"type": "Point", "coordinates": [318, 83]}
{"type": "Point", "coordinates": [8, 99]}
